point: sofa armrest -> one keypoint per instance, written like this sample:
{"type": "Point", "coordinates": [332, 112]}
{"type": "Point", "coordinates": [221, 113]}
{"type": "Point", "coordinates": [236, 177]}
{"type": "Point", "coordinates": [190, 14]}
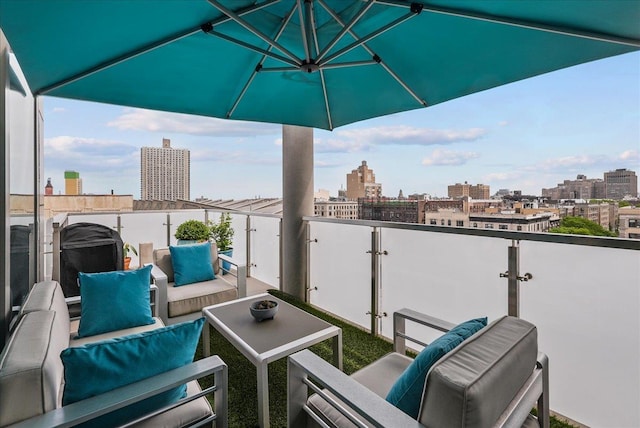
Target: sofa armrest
{"type": "Point", "coordinates": [241, 273]}
{"type": "Point", "coordinates": [91, 408]}
{"type": "Point", "coordinates": [161, 281]}
{"type": "Point", "coordinates": [305, 365]}
{"type": "Point", "coordinates": [399, 327]}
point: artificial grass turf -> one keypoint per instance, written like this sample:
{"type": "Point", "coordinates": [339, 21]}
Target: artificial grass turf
{"type": "Point", "coordinates": [359, 349]}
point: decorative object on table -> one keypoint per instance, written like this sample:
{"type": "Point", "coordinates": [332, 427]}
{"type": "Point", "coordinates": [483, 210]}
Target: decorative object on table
{"type": "Point", "coordinates": [126, 249]}
{"type": "Point", "coordinates": [192, 232]}
{"type": "Point", "coordinates": [222, 233]}
{"type": "Point", "coordinates": [263, 309]}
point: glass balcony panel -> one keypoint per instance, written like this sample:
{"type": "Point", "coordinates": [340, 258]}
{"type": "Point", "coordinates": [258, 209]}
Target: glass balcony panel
{"type": "Point", "coordinates": [585, 302]}
{"type": "Point", "coordinates": [265, 249]}
{"type": "Point", "coordinates": [341, 270]}
{"type": "Point", "coordinates": [140, 227]}
{"type": "Point", "coordinates": [452, 277]}
{"type": "Point", "coordinates": [239, 225]}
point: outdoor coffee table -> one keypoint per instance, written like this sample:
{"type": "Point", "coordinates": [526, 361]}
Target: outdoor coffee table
{"type": "Point", "coordinates": [291, 330]}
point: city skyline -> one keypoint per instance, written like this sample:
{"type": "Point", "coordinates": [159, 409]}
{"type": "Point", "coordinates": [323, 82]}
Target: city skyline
{"type": "Point", "coordinates": [523, 136]}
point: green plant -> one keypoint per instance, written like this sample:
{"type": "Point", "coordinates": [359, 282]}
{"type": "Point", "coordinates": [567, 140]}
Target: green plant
{"type": "Point", "coordinates": [193, 230]}
{"type": "Point", "coordinates": [222, 232]}
{"type": "Point", "coordinates": [126, 248]}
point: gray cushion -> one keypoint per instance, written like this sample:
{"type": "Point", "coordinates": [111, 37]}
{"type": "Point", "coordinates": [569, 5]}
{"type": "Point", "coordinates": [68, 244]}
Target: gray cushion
{"type": "Point", "coordinates": [191, 298]}
{"type": "Point", "coordinates": [378, 376]}
{"type": "Point", "coordinates": [183, 415]}
{"type": "Point", "coordinates": [162, 259]}
{"type": "Point", "coordinates": [473, 384]}
{"type": "Point", "coordinates": [31, 370]}
{"type": "Point", "coordinates": [48, 296]}
{"type": "Point", "coordinates": [79, 341]}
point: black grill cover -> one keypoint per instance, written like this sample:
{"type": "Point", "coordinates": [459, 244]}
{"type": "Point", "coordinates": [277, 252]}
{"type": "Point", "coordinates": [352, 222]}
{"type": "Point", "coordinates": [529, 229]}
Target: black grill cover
{"type": "Point", "coordinates": [19, 271]}
{"type": "Point", "coordinates": [88, 248]}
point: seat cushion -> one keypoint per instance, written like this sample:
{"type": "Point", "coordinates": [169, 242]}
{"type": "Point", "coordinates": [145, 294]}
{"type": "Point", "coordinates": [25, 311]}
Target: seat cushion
{"type": "Point", "coordinates": [114, 301]}
{"type": "Point", "coordinates": [74, 340]}
{"type": "Point", "coordinates": [406, 392]}
{"type": "Point", "coordinates": [191, 298]}
{"type": "Point", "coordinates": [191, 263]}
{"type": "Point", "coordinates": [183, 415]}
{"type": "Point", "coordinates": [378, 377]}
{"type": "Point", "coordinates": [473, 384]}
{"type": "Point", "coordinates": [99, 367]}
{"type": "Point", "coordinates": [31, 372]}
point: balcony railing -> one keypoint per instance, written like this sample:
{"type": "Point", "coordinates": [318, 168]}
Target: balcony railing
{"type": "Point", "coordinates": [583, 293]}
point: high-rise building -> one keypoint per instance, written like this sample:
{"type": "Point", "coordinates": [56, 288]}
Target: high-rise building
{"type": "Point", "coordinates": [621, 183]}
{"type": "Point", "coordinates": [479, 191]}
{"type": "Point", "coordinates": [361, 183]}
{"type": "Point", "coordinates": [72, 183]}
{"type": "Point", "coordinates": [164, 173]}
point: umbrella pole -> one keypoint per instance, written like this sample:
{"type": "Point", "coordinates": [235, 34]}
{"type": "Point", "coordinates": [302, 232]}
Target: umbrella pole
{"type": "Point", "coordinates": [297, 197]}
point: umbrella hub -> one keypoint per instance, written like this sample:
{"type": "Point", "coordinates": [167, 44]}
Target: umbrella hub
{"type": "Point", "coordinates": [309, 67]}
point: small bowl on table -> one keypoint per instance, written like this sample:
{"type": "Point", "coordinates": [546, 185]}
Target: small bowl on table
{"type": "Point", "coordinates": [263, 309]}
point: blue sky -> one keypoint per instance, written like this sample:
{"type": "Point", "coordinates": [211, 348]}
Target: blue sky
{"type": "Point", "coordinates": [523, 136]}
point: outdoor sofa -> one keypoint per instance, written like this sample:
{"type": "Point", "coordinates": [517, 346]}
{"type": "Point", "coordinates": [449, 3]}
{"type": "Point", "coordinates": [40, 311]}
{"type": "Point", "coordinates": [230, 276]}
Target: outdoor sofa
{"type": "Point", "coordinates": [177, 303]}
{"type": "Point", "coordinates": [33, 379]}
{"type": "Point", "coordinates": [493, 378]}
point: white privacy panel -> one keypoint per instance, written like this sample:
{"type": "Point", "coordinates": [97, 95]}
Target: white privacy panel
{"type": "Point", "coordinates": [585, 302]}
{"type": "Point", "coordinates": [341, 270]}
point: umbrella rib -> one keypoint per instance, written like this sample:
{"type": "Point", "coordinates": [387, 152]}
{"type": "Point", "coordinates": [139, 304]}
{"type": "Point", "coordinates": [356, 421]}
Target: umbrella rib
{"type": "Point", "coordinates": [258, 68]}
{"type": "Point", "coordinates": [366, 38]}
{"type": "Point", "coordinates": [235, 17]}
{"type": "Point", "coordinates": [531, 25]}
{"type": "Point", "coordinates": [345, 29]}
{"type": "Point", "coordinates": [143, 50]}
{"type": "Point", "coordinates": [350, 64]}
{"type": "Point", "coordinates": [376, 57]}
{"type": "Point", "coordinates": [303, 31]}
{"type": "Point", "coordinates": [325, 94]}
{"type": "Point", "coordinates": [118, 60]}
{"type": "Point", "coordinates": [253, 48]}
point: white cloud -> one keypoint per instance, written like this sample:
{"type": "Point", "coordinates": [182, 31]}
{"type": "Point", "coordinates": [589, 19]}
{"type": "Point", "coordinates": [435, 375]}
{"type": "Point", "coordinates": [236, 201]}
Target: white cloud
{"type": "Point", "coordinates": [448, 158]}
{"type": "Point", "coordinates": [88, 151]}
{"type": "Point", "coordinates": [570, 162]}
{"type": "Point", "coordinates": [502, 176]}
{"type": "Point", "coordinates": [630, 156]}
{"type": "Point", "coordinates": [156, 121]}
{"type": "Point", "coordinates": [333, 145]}
{"type": "Point", "coordinates": [408, 135]}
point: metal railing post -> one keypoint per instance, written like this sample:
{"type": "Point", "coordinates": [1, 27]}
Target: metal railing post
{"type": "Point", "coordinates": [280, 285]}
{"type": "Point", "coordinates": [375, 251]}
{"type": "Point", "coordinates": [248, 231]}
{"type": "Point", "coordinates": [168, 224]}
{"type": "Point", "coordinates": [57, 224]}
{"type": "Point", "coordinates": [512, 278]}
{"type": "Point", "coordinates": [119, 225]}
{"type": "Point", "coordinates": [307, 274]}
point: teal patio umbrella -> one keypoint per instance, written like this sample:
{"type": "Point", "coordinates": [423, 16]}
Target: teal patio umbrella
{"type": "Point", "coordinates": [315, 63]}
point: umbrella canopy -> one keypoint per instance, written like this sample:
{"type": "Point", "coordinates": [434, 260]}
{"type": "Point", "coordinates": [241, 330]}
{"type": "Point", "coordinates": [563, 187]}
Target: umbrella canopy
{"type": "Point", "coordinates": [316, 63]}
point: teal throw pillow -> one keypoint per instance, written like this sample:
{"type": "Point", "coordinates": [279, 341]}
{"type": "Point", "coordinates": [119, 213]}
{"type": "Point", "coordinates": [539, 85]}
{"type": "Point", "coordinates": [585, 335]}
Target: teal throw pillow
{"type": "Point", "coordinates": [98, 367]}
{"type": "Point", "coordinates": [114, 300]}
{"type": "Point", "coordinates": [406, 392]}
{"type": "Point", "coordinates": [191, 263]}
